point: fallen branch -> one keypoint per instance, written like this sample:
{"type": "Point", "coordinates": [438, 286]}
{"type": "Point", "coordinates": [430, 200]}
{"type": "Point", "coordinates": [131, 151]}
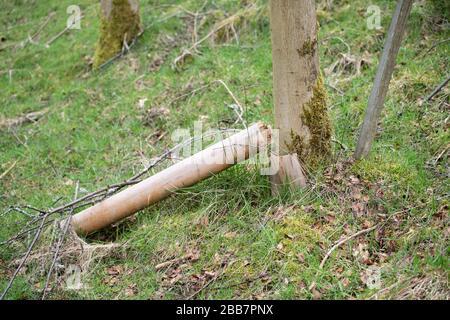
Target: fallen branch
{"type": "Point", "coordinates": [27, 118]}
{"type": "Point", "coordinates": [438, 89]}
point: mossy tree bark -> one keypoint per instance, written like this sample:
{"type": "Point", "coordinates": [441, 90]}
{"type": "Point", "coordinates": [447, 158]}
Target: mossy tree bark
{"type": "Point", "coordinates": [299, 94]}
{"type": "Point", "coordinates": [119, 24]}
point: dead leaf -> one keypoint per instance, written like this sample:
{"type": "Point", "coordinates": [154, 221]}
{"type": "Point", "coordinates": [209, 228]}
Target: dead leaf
{"type": "Point", "coordinates": [115, 270]}
{"type": "Point", "coordinates": [131, 290]}
{"type": "Point", "coordinates": [230, 235]}
{"type": "Point", "coordinates": [316, 294]}
{"type": "Point", "coordinates": [154, 114]}
{"type": "Point", "coordinates": [345, 282]}
{"type": "Point", "coordinates": [361, 253]}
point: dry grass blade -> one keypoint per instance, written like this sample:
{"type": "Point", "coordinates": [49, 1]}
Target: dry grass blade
{"type": "Point", "coordinates": [8, 170]}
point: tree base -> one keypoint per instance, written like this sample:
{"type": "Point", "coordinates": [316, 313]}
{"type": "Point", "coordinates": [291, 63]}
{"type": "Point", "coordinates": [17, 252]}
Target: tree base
{"type": "Point", "coordinates": [290, 173]}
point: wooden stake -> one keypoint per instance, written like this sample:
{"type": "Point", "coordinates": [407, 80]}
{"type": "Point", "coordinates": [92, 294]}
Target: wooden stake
{"type": "Point", "coordinates": [198, 167]}
{"type": "Point", "coordinates": [383, 77]}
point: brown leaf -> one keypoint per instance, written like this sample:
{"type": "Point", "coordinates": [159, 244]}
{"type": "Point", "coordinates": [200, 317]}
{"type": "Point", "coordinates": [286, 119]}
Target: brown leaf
{"type": "Point", "coordinates": [115, 270]}
{"type": "Point", "coordinates": [230, 235]}
{"type": "Point", "coordinates": [345, 282]}
{"type": "Point", "coordinates": [131, 290]}
{"type": "Point", "coordinates": [316, 294]}
{"type": "Point", "coordinates": [210, 274]}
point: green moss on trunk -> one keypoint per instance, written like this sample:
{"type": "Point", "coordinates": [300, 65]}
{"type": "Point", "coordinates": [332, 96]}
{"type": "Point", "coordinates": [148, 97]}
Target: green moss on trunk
{"type": "Point", "coordinates": [315, 117]}
{"type": "Point", "coordinates": [118, 23]}
{"type": "Point", "coordinates": [308, 48]}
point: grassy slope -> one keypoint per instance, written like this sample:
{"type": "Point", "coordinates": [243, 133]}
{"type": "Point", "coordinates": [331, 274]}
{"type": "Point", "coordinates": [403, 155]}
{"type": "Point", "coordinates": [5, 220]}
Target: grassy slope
{"type": "Point", "coordinates": [94, 134]}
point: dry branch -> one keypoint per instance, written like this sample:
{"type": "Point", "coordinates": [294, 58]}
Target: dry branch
{"type": "Point", "coordinates": [27, 118]}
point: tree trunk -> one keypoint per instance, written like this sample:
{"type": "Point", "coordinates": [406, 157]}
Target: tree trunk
{"type": "Point", "coordinates": [299, 94]}
{"type": "Point", "coordinates": [119, 24]}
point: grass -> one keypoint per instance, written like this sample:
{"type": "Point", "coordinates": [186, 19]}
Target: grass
{"type": "Point", "coordinates": [249, 244]}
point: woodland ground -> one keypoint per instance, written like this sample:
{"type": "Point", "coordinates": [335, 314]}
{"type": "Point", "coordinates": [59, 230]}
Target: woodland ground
{"type": "Point", "coordinates": [241, 242]}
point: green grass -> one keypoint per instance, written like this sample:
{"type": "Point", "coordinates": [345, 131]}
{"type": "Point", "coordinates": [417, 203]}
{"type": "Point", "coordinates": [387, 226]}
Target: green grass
{"type": "Point", "coordinates": [257, 245]}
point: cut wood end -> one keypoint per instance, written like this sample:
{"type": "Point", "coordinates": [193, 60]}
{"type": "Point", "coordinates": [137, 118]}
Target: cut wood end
{"type": "Point", "coordinates": [290, 173]}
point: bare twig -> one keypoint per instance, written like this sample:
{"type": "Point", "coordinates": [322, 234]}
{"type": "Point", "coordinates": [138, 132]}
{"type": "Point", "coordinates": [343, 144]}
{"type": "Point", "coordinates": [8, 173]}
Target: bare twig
{"type": "Point", "coordinates": [67, 28]}
{"type": "Point", "coordinates": [58, 246]}
{"type": "Point", "coordinates": [337, 245]}
{"type": "Point", "coordinates": [238, 105]}
{"type": "Point", "coordinates": [30, 39]}
{"type": "Point", "coordinates": [30, 248]}
{"type": "Point", "coordinates": [432, 47]}
{"type": "Point", "coordinates": [438, 89]}
{"type": "Point", "coordinates": [173, 261]}
{"type": "Point", "coordinates": [222, 24]}
{"type": "Point", "coordinates": [125, 49]}
{"type": "Point", "coordinates": [343, 146]}
{"type": "Point", "coordinates": [237, 108]}
{"type": "Point", "coordinates": [341, 242]}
